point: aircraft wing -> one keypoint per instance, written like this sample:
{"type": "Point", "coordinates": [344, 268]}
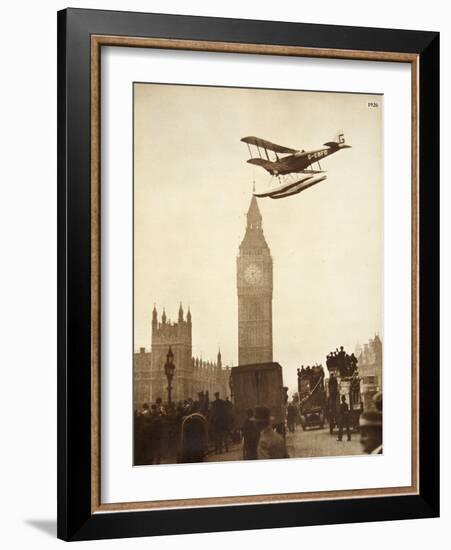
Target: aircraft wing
{"type": "Point", "coordinates": [264, 144]}
{"type": "Point", "coordinates": [266, 164]}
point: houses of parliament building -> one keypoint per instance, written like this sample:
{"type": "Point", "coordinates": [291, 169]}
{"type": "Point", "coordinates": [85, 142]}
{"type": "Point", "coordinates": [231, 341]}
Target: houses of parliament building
{"type": "Point", "coordinates": [193, 375]}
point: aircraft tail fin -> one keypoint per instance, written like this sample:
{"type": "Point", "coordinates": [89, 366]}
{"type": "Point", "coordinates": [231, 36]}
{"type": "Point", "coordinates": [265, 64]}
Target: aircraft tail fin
{"type": "Point", "coordinates": [338, 142]}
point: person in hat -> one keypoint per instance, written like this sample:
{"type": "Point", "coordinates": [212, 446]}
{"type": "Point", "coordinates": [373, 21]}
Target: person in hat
{"type": "Point", "coordinates": [344, 420]}
{"type": "Point", "coordinates": [377, 401]}
{"type": "Point", "coordinates": [332, 385]}
{"type": "Point", "coordinates": [251, 435]}
{"type": "Point", "coordinates": [271, 444]}
{"type": "Point", "coordinates": [371, 432]}
{"type": "Point", "coordinates": [218, 422]}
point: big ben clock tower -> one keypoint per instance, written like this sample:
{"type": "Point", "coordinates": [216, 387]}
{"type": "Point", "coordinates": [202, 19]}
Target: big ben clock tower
{"type": "Point", "coordinates": [254, 284]}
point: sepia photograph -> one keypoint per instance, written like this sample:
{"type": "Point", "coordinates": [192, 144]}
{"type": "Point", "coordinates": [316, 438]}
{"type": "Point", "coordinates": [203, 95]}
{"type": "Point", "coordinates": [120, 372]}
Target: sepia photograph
{"type": "Point", "coordinates": [258, 274]}
{"type": "Point", "coordinates": [248, 273]}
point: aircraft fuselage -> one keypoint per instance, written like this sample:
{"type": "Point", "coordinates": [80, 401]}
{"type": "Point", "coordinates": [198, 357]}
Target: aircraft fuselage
{"type": "Point", "coordinates": [299, 161]}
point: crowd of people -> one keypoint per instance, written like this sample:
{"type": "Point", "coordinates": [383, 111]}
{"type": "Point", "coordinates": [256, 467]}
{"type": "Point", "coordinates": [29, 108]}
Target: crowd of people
{"type": "Point", "coordinates": [190, 430]}
{"type": "Point", "coordinates": [340, 361]}
{"type": "Point", "coordinates": [185, 431]}
{"type": "Point", "coordinates": [313, 374]}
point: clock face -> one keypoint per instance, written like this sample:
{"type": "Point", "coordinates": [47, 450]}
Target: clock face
{"type": "Point", "coordinates": [253, 274]}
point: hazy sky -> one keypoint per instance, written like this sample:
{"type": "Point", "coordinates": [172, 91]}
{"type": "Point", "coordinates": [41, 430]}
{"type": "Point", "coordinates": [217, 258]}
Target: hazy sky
{"type": "Point", "coordinates": [192, 189]}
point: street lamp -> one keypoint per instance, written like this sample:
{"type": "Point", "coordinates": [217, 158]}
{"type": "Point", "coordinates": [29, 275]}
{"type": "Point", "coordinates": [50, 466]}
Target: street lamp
{"type": "Point", "coordinates": [231, 386]}
{"type": "Point", "coordinates": [169, 369]}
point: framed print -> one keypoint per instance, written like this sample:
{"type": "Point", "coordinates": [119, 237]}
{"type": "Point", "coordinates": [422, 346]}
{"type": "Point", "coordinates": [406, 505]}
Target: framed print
{"type": "Point", "coordinates": [248, 274]}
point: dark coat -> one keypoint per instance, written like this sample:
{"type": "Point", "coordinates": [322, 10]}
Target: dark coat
{"type": "Point", "coordinates": [219, 415]}
{"type": "Point", "coordinates": [251, 435]}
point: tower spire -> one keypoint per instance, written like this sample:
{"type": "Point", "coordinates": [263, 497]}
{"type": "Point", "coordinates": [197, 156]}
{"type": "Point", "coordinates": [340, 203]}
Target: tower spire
{"type": "Point", "coordinates": [254, 238]}
{"type": "Point", "coordinates": [254, 218]}
{"type": "Point", "coordinates": [180, 313]}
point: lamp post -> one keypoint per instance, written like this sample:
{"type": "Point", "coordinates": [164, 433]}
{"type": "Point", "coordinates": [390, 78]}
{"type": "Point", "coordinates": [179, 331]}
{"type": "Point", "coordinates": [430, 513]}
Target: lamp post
{"type": "Point", "coordinates": [169, 369]}
{"type": "Point", "coordinates": [231, 386]}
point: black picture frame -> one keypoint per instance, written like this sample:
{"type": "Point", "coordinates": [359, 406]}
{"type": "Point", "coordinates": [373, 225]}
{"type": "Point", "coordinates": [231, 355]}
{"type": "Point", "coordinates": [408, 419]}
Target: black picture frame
{"type": "Point", "coordinates": [76, 520]}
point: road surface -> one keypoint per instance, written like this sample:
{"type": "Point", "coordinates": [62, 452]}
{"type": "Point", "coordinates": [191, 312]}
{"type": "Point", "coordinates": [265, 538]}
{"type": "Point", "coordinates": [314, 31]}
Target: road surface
{"type": "Point", "coordinates": [311, 443]}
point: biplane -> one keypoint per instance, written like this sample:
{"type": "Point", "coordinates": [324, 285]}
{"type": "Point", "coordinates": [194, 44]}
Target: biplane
{"type": "Point", "coordinates": [292, 168]}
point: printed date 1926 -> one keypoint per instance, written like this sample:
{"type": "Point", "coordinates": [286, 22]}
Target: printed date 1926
{"type": "Point", "coordinates": [373, 104]}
